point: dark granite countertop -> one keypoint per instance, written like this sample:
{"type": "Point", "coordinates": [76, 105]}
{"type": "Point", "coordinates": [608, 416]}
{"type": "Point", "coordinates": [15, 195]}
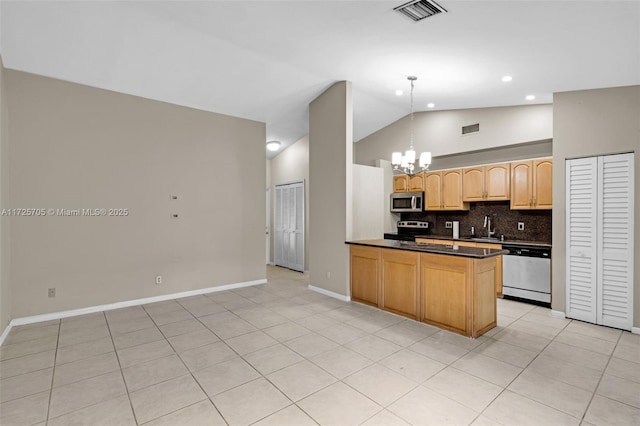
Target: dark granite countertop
{"type": "Point", "coordinates": [496, 241]}
{"type": "Point", "coordinates": [453, 250]}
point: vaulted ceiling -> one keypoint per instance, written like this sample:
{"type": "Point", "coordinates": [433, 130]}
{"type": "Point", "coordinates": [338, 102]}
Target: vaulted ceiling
{"type": "Point", "coordinates": [266, 60]}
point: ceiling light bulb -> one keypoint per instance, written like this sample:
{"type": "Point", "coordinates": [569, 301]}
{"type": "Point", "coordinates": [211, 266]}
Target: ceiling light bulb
{"type": "Point", "coordinates": [507, 78]}
{"type": "Point", "coordinates": [431, 105]}
{"type": "Point", "coordinates": [399, 92]}
{"type": "Point", "coordinates": [530, 97]}
{"type": "Point", "coordinates": [273, 145]}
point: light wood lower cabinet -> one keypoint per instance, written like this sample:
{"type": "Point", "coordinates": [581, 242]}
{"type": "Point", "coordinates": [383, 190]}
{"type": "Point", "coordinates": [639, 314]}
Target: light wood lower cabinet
{"type": "Point", "coordinates": [365, 274]}
{"type": "Point", "coordinates": [400, 270]}
{"type": "Point", "coordinates": [473, 244]}
{"type": "Point", "coordinates": [452, 292]}
{"type": "Point", "coordinates": [498, 266]}
{"type": "Point", "coordinates": [458, 293]}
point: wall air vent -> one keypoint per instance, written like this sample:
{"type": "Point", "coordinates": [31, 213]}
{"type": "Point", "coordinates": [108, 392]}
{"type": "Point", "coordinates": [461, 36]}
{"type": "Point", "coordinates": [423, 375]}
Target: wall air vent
{"type": "Point", "coordinates": [471, 128]}
{"type": "Point", "coordinates": [417, 10]}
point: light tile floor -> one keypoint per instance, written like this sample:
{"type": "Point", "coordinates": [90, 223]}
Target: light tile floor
{"type": "Point", "coordinates": [280, 354]}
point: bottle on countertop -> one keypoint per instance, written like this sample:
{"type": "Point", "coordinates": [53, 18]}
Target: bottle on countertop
{"type": "Point", "coordinates": [473, 231]}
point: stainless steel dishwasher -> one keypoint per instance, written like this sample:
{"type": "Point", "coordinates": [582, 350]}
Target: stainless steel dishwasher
{"type": "Point", "coordinates": [526, 273]}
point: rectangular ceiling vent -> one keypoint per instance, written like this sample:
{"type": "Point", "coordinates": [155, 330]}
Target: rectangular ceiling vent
{"type": "Point", "coordinates": [471, 128]}
{"type": "Point", "coordinates": [417, 10]}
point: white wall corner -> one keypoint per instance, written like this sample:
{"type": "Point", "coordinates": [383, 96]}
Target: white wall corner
{"type": "Point", "coordinates": [635, 330]}
{"type": "Point", "coordinates": [557, 314]}
{"type": "Point", "coordinates": [5, 333]}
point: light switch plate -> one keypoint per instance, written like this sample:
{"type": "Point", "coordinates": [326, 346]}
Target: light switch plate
{"type": "Point", "coordinates": [520, 226]}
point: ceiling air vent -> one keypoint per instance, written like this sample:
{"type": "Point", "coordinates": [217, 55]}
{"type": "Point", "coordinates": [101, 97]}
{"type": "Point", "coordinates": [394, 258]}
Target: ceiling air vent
{"type": "Point", "coordinates": [420, 9]}
{"type": "Point", "coordinates": [471, 128]}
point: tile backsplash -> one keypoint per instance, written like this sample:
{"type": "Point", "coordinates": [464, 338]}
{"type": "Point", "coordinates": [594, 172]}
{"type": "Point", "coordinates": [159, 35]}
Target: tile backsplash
{"type": "Point", "coordinates": [537, 223]}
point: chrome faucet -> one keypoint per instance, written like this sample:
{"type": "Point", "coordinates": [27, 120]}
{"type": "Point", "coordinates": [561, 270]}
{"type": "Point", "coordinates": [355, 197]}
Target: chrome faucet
{"type": "Point", "coordinates": [487, 224]}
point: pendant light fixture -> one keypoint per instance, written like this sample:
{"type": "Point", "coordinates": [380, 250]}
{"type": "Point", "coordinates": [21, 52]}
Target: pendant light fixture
{"type": "Point", "coordinates": [406, 163]}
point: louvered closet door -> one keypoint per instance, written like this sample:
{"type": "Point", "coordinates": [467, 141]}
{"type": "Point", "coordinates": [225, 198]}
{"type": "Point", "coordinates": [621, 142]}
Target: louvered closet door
{"type": "Point", "coordinates": [581, 222]}
{"type": "Point", "coordinates": [289, 224]}
{"type": "Point", "coordinates": [297, 230]}
{"type": "Point", "coordinates": [279, 229]}
{"type": "Point", "coordinates": [615, 241]}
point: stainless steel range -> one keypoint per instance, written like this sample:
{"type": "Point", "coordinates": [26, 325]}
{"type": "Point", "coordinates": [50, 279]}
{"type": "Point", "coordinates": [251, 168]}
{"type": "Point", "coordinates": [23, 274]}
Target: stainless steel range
{"type": "Point", "coordinates": [408, 230]}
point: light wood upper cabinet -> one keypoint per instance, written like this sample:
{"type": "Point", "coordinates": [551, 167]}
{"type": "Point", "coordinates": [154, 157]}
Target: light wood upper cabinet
{"type": "Point", "coordinates": [416, 182]}
{"type": "Point", "coordinates": [452, 190]}
{"type": "Point", "coordinates": [432, 190]}
{"type": "Point", "coordinates": [531, 184]}
{"type": "Point", "coordinates": [443, 190]}
{"type": "Point", "coordinates": [486, 183]}
{"type": "Point", "coordinates": [401, 183]}
{"type": "Point", "coordinates": [542, 183]}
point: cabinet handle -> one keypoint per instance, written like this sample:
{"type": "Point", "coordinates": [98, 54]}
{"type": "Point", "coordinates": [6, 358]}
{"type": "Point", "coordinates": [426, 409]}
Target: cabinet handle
{"type": "Point", "coordinates": [530, 202]}
{"type": "Point", "coordinates": [534, 201]}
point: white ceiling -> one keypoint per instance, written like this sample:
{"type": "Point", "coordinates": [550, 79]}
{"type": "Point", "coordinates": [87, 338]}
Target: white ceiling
{"type": "Point", "coordinates": [266, 60]}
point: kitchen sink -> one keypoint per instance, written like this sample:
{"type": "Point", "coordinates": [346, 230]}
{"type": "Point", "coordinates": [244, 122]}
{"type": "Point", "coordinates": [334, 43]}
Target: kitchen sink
{"type": "Point", "coordinates": [486, 240]}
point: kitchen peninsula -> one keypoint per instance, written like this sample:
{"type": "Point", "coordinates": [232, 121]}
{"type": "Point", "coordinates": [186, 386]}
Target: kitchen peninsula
{"type": "Point", "coordinates": [449, 286]}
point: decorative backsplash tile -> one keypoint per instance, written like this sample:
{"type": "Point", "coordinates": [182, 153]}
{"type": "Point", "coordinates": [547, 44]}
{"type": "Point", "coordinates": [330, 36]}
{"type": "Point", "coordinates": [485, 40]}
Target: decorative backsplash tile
{"type": "Point", "coordinates": [537, 223]}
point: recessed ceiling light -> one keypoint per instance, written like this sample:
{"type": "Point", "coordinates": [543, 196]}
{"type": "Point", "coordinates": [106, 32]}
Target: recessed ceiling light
{"type": "Point", "coordinates": [399, 92]}
{"type": "Point", "coordinates": [530, 97]}
{"type": "Point", "coordinates": [273, 145]}
{"type": "Point", "coordinates": [430, 105]}
{"type": "Point", "coordinates": [507, 78]}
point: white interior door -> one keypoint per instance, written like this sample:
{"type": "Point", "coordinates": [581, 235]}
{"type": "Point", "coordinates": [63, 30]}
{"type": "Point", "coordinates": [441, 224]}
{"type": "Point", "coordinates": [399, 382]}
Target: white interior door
{"type": "Point", "coordinates": [615, 241]}
{"type": "Point", "coordinates": [600, 230]}
{"type": "Point", "coordinates": [290, 226]}
{"type": "Point", "coordinates": [267, 228]}
{"type": "Point", "coordinates": [581, 210]}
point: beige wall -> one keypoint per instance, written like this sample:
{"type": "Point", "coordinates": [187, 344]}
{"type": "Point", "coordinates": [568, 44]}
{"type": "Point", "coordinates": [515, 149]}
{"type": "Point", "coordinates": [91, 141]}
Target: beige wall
{"type": "Point", "coordinates": [589, 123]}
{"type": "Point", "coordinates": [77, 147]}
{"type": "Point", "coordinates": [5, 288]}
{"type": "Point", "coordinates": [291, 165]}
{"type": "Point", "coordinates": [330, 161]}
{"type": "Point", "coordinates": [440, 131]}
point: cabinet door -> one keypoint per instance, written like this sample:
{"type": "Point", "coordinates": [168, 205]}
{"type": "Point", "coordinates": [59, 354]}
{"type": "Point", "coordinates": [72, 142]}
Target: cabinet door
{"type": "Point", "coordinates": [497, 178]}
{"type": "Point", "coordinates": [473, 184]}
{"type": "Point", "coordinates": [401, 183]}
{"type": "Point", "coordinates": [416, 182]}
{"type": "Point", "coordinates": [521, 182]}
{"type": "Point", "coordinates": [365, 274]}
{"type": "Point", "coordinates": [498, 267]}
{"type": "Point", "coordinates": [542, 184]}
{"type": "Point", "coordinates": [452, 190]}
{"type": "Point", "coordinates": [433, 191]}
{"type": "Point", "coordinates": [445, 294]}
{"type": "Point", "coordinates": [400, 282]}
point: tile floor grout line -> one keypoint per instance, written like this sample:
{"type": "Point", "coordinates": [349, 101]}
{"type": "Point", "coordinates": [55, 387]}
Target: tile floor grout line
{"type": "Point", "coordinates": [604, 370]}
{"type": "Point", "coordinates": [505, 388]}
{"type": "Point", "coordinates": [53, 374]}
{"type": "Point", "coordinates": [126, 387]}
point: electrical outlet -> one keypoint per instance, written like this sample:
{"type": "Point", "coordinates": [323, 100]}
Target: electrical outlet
{"type": "Point", "coordinates": [158, 279]}
{"type": "Point", "coordinates": [328, 275]}
{"type": "Point", "coordinates": [52, 292]}
{"type": "Point", "coordinates": [520, 226]}
{"type": "Point", "coordinates": [448, 224]}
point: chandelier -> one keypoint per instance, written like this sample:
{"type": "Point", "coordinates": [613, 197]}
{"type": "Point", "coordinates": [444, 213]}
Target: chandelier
{"type": "Point", "coordinates": [406, 163]}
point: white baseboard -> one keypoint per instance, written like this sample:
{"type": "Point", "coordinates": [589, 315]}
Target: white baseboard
{"type": "Point", "coordinates": [330, 293]}
{"type": "Point", "coordinates": [5, 333]}
{"type": "Point", "coordinates": [125, 304]}
{"type": "Point", "coordinates": [557, 314]}
{"type": "Point", "coordinates": [635, 330]}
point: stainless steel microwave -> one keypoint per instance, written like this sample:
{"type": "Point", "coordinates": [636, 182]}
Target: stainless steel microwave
{"type": "Point", "coordinates": [405, 202]}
